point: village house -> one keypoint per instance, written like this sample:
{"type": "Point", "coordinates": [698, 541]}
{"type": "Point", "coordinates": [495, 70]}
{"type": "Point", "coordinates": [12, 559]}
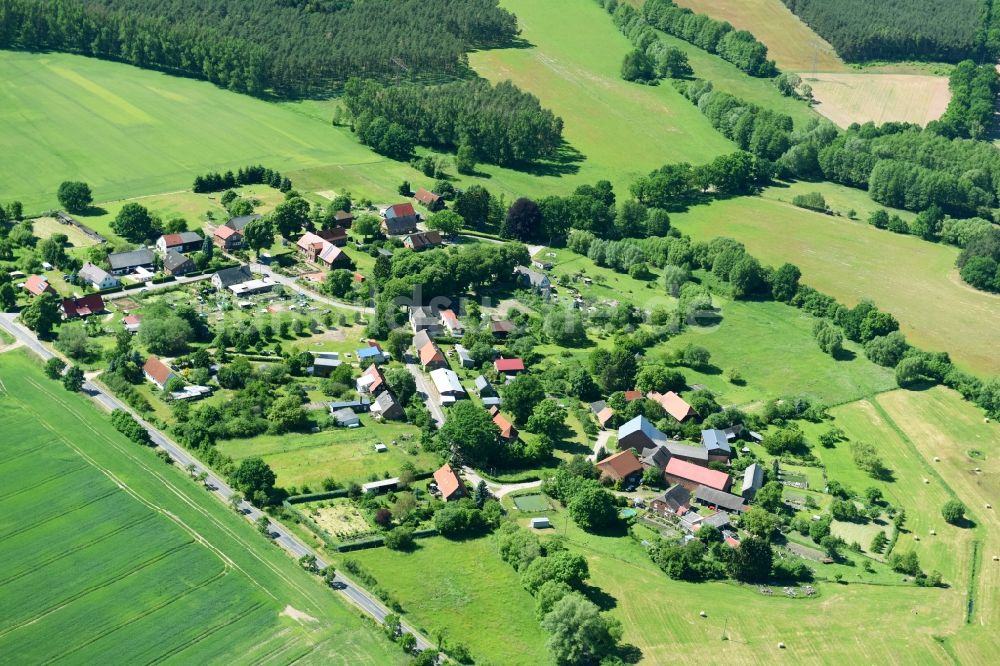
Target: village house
{"type": "Point", "coordinates": [387, 408]}
{"type": "Point", "coordinates": [449, 483]}
{"type": "Point", "coordinates": [399, 219]}
{"type": "Point", "coordinates": [538, 282]}
{"type": "Point", "coordinates": [97, 277]}
{"type": "Point", "coordinates": [343, 219]}
{"type": "Point", "coordinates": [508, 432]}
{"type": "Point", "coordinates": [240, 223]}
{"type": "Point", "coordinates": [123, 263]}
{"type": "Point", "coordinates": [157, 372]}
{"type": "Point", "coordinates": [448, 385]}
{"type": "Point", "coordinates": [673, 404]}
{"type": "Point", "coordinates": [183, 242]}
{"type": "Point", "coordinates": [691, 476]}
{"type": "Point", "coordinates": [420, 340]}
{"type": "Point", "coordinates": [227, 277]}
{"type": "Point", "coordinates": [335, 235]}
{"type": "Point", "coordinates": [227, 239]}
{"type": "Point", "coordinates": [487, 393]}
{"type": "Point", "coordinates": [36, 285]}
{"type": "Point", "coordinates": [622, 466]}
{"type": "Point", "coordinates": [422, 318]}
{"type": "Point", "coordinates": [450, 321]}
{"type": "Point", "coordinates": [315, 249]}
{"type": "Point", "coordinates": [431, 357]}
{"type": "Point", "coordinates": [675, 501]}
{"type": "Point", "coordinates": [433, 202]}
{"type": "Point", "coordinates": [371, 381]}
{"type": "Point", "coordinates": [753, 479]}
{"type": "Point", "coordinates": [83, 306]}
{"type": "Point", "coordinates": [423, 240]}
{"type": "Point", "coordinates": [175, 263]}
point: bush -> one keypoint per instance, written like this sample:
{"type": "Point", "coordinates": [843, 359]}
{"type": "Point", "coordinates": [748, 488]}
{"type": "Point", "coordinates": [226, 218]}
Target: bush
{"type": "Point", "coordinates": [810, 200]}
{"type": "Point", "coordinates": [953, 512]}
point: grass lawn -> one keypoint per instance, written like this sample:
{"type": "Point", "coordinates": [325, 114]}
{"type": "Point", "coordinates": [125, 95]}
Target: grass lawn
{"type": "Point", "coordinates": [573, 66]}
{"type": "Point", "coordinates": [90, 520]}
{"type": "Point", "coordinates": [49, 226]}
{"type": "Point", "coordinates": [785, 359]}
{"type": "Point", "coordinates": [346, 454]}
{"type": "Point", "coordinates": [914, 280]}
{"type": "Point", "coordinates": [839, 198]}
{"type": "Point", "coordinates": [465, 589]}
{"type": "Point", "coordinates": [607, 285]}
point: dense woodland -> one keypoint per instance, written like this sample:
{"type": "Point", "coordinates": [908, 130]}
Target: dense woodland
{"type": "Point", "coordinates": [944, 30]}
{"type": "Point", "coordinates": [501, 124]}
{"type": "Point", "coordinates": [284, 47]}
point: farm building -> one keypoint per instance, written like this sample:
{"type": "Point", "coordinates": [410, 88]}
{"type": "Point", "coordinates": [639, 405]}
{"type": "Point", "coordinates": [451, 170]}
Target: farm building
{"type": "Point", "coordinates": [501, 329]}
{"type": "Point", "coordinates": [379, 487]}
{"type": "Point", "coordinates": [227, 238]}
{"type": "Point", "coordinates": [359, 406]}
{"type": "Point", "coordinates": [251, 287]}
{"type": "Point", "coordinates": [324, 365]}
{"type": "Point", "coordinates": [229, 276]}
{"type": "Point", "coordinates": [399, 219]}
{"type": "Point", "coordinates": [639, 434]}
{"type": "Point", "coordinates": [183, 242]}
{"type": "Point", "coordinates": [346, 418]}
{"type": "Point", "coordinates": [507, 430]}
{"type": "Point", "coordinates": [430, 200]}
{"type": "Point", "coordinates": [132, 323]}
{"type": "Point", "coordinates": [387, 408]}
{"type": "Point", "coordinates": [691, 476]}
{"type": "Point", "coordinates": [175, 263]}
{"type": "Point", "coordinates": [431, 357]}
{"type": "Point", "coordinates": [716, 444]}
{"type": "Point", "coordinates": [447, 384]}
{"type": "Point", "coordinates": [674, 501]}
{"type": "Point", "coordinates": [240, 223]}
{"type": "Point", "coordinates": [123, 263]}
{"type": "Point", "coordinates": [464, 357]}
{"type": "Point", "coordinates": [508, 366]}
{"type": "Point", "coordinates": [422, 318]}
{"type": "Point", "coordinates": [450, 321]}
{"type": "Point", "coordinates": [371, 354]}
{"type": "Point", "coordinates": [540, 523]}
{"type": "Point", "coordinates": [538, 282]}
{"type": "Point", "coordinates": [753, 479]}
{"type": "Point", "coordinates": [422, 240]}
{"type": "Point", "coordinates": [721, 500]}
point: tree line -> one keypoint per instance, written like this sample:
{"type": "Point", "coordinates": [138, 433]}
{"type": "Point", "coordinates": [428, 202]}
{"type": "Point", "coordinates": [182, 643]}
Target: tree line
{"type": "Point", "coordinates": [251, 175]}
{"type": "Point", "coordinates": [902, 29]}
{"type": "Point", "coordinates": [500, 124]}
{"type": "Point", "coordinates": [972, 108]}
{"type": "Point", "coordinates": [719, 37]}
{"type": "Point", "coordinates": [264, 47]}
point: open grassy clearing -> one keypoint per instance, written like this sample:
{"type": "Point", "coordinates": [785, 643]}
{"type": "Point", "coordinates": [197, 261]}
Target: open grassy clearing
{"type": "Point", "coordinates": [346, 454]}
{"type": "Point", "coordinates": [791, 43]}
{"type": "Point", "coordinates": [45, 227]}
{"type": "Point", "coordinates": [839, 198]}
{"type": "Point", "coordinates": [572, 65]}
{"type": "Point", "coordinates": [940, 424]}
{"type": "Point", "coordinates": [772, 346]}
{"type": "Point", "coordinates": [465, 589]}
{"type": "Point", "coordinates": [914, 280]}
{"type": "Point", "coordinates": [116, 553]}
{"type": "Point", "coordinates": [860, 97]}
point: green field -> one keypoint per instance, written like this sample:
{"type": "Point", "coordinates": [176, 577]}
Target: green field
{"type": "Point", "coordinates": [346, 454]}
{"type": "Point", "coordinates": [573, 65]}
{"type": "Point", "coordinates": [466, 590]}
{"type": "Point", "coordinates": [914, 280]}
{"type": "Point", "coordinates": [110, 554]}
{"type": "Point", "coordinates": [772, 346]}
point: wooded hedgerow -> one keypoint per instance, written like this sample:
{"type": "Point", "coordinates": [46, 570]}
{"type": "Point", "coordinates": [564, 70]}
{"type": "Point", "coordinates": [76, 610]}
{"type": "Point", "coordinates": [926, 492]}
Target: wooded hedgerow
{"type": "Point", "coordinates": [285, 47]}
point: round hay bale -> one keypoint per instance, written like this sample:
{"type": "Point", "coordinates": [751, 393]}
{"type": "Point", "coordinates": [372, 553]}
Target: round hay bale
{"type": "Point", "coordinates": [996, 558]}
{"type": "Point", "coordinates": [781, 646]}
{"type": "Point", "coordinates": [989, 506]}
{"type": "Point", "coordinates": [936, 459]}
{"type": "Point", "coordinates": [933, 533]}
{"type": "Point", "coordinates": [703, 614]}
{"type": "Point", "coordinates": [978, 470]}
{"type": "Point", "coordinates": [927, 480]}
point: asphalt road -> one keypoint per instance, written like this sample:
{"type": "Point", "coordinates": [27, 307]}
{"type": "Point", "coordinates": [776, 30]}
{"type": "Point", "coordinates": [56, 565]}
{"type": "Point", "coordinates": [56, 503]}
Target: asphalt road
{"type": "Point", "coordinates": [217, 486]}
{"type": "Point", "coordinates": [309, 293]}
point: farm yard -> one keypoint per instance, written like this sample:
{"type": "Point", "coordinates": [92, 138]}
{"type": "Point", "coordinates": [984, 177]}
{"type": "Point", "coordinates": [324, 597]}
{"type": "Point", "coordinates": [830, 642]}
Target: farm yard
{"type": "Point", "coordinates": [112, 551]}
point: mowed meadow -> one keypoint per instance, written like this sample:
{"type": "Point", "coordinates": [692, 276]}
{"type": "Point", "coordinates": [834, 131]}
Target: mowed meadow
{"type": "Point", "coordinates": [110, 554]}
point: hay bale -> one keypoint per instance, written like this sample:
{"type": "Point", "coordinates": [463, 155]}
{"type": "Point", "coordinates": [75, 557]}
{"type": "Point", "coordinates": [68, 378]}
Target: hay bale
{"type": "Point", "coordinates": [703, 614]}
{"type": "Point", "coordinates": [781, 646]}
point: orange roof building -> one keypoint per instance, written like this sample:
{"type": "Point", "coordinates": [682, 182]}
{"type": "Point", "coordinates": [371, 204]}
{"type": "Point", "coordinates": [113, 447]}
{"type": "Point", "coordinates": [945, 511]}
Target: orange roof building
{"type": "Point", "coordinates": [673, 404]}
{"type": "Point", "coordinates": [449, 483]}
{"type": "Point", "coordinates": [431, 356]}
{"type": "Point", "coordinates": [507, 429]}
{"type": "Point", "coordinates": [620, 466]}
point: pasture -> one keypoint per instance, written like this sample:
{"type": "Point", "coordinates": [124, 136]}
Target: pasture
{"type": "Point", "coordinates": [860, 97]}
{"type": "Point", "coordinates": [116, 554]}
{"type": "Point", "coordinates": [464, 589]}
{"type": "Point", "coordinates": [345, 454]}
{"type": "Point", "coordinates": [913, 279]}
{"type": "Point", "coordinates": [790, 42]}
